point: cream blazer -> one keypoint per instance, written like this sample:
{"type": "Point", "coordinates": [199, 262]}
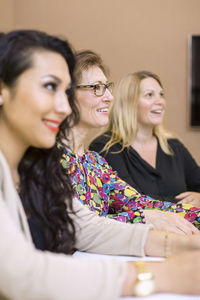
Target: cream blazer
{"type": "Point", "coordinates": [27, 273]}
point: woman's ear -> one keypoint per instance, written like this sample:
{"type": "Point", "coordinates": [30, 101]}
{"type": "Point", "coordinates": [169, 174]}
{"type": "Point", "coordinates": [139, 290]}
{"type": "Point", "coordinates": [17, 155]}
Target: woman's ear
{"type": "Point", "coordinates": [1, 96]}
{"type": "Point", "coordinates": [4, 92]}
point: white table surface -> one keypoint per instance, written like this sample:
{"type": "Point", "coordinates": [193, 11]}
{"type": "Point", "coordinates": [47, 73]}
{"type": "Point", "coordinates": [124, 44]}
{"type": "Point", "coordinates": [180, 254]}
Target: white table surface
{"type": "Point", "coordinates": [153, 297]}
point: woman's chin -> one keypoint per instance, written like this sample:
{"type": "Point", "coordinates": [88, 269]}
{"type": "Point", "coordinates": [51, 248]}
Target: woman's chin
{"type": "Point", "coordinates": [46, 144]}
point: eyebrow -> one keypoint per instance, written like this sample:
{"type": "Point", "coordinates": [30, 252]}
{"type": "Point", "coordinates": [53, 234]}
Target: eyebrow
{"type": "Point", "coordinates": [151, 90]}
{"type": "Point", "coordinates": [148, 90]}
{"type": "Point", "coordinates": [98, 82]}
{"type": "Point", "coordinates": [57, 79]}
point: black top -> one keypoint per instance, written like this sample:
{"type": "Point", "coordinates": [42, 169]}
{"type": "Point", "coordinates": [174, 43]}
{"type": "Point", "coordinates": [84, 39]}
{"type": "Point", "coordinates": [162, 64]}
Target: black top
{"type": "Point", "coordinates": [37, 233]}
{"type": "Point", "coordinates": [172, 175]}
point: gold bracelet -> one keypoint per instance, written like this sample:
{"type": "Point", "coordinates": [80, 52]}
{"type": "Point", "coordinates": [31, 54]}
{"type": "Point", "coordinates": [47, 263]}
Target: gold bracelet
{"type": "Point", "coordinates": [166, 245]}
{"type": "Point", "coordinates": [144, 284]}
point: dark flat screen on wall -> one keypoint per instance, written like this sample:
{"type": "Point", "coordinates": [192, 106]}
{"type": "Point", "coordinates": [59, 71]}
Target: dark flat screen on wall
{"type": "Point", "coordinates": [195, 80]}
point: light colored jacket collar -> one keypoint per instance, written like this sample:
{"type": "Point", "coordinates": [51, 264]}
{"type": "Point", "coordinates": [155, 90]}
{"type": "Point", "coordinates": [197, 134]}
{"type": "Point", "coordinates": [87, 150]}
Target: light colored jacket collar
{"type": "Point", "coordinates": [11, 198]}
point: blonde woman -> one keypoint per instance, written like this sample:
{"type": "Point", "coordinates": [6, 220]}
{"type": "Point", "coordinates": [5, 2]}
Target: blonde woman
{"type": "Point", "coordinates": [141, 150]}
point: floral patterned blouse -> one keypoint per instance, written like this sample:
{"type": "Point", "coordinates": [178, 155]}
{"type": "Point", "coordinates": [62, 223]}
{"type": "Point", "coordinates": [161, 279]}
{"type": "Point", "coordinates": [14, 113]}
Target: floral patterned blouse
{"type": "Point", "coordinates": [100, 189]}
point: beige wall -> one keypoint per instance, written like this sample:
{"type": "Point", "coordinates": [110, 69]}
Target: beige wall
{"type": "Point", "coordinates": [6, 14]}
{"type": "Point", "coordinates": [130, 35]}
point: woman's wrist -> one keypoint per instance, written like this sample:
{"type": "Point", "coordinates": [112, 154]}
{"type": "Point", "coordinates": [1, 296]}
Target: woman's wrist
{"type": "Point", "coordinates": [156, 243]}
{"type": "Point", "coordinates": [156, 269]}
{"type": "Point", "coordinates": [129, 279]}
{"type": "Point", "coordinates": [164, 244]}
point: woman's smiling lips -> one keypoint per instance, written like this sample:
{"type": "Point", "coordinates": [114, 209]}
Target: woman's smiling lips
{"type": "Point", "coordinates": [103, 109]}
{"type": "Point", "coordinates": [157, 111]}
{"type": "Point", "coordinates": [53, 125]}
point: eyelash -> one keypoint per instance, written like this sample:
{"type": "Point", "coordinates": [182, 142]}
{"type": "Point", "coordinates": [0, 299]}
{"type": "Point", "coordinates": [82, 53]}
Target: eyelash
{"type": "Point", "coordinates": [151, 94]}
{"type": "Point", "coordinates": [52, 84]}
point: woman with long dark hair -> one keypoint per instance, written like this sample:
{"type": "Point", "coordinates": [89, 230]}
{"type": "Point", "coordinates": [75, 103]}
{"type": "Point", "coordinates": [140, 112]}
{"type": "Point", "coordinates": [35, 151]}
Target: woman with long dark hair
{"type": "Point", "coordinates": [36, 105]}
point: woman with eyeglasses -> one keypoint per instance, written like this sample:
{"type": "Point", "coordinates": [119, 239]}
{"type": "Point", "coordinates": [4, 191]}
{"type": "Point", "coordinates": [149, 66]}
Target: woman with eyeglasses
{"type": "Point", "coordinates": [97, 186]}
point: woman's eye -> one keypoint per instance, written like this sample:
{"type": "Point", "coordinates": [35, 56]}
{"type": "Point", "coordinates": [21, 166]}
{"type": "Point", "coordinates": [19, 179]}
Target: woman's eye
{"type": "Point", "coordinates": [97, 87]}
{"type": "Point", "coordinates": [149, 95]}
{"type": "Point", "coordinates": [51, 86]}
{"type": "Point", "coordinates": [162, 94]}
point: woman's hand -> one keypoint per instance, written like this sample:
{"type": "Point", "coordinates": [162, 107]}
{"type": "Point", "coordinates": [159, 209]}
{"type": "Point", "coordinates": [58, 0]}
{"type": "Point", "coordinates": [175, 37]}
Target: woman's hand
{"type": "Point", "coordinates": [192, 198]}
{"type": "Point", "coordinates": [169, 221]}
{"type": "Point", "coordinates": [178, 273]}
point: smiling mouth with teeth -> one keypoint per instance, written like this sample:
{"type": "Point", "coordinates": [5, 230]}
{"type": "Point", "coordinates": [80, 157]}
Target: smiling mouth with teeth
{"type": "Point", "coordinates": [102, 110]}
{"type": "Point", "coordinates": [157, 111]}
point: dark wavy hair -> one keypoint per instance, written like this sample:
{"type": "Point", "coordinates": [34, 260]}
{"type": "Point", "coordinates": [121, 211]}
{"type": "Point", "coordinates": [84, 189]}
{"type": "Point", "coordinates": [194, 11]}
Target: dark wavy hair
{"type": "Point", "coordinates": [45, 190]}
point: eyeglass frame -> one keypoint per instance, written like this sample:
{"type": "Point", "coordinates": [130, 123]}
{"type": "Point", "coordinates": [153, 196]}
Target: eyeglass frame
{"type": "Point", "coordinates": [94, 87]}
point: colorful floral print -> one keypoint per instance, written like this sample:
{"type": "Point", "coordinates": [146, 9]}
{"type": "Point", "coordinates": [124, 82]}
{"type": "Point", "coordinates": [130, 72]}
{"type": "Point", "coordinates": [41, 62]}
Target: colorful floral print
{"type": "Point", "coordinates": [100, 189]}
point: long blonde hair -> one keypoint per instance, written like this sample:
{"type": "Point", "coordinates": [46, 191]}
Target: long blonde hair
{"type": "Point", "coordinates": [123, 124]}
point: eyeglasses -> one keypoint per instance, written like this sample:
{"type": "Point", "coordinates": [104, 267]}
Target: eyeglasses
{"type": "Point", "coordinates": [98, 88]}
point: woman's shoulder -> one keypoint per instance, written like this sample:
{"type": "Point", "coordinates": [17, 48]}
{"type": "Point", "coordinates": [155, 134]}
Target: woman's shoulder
{"type": "Point", "coordinates": [99, 142]}
{"type": "Point", "coordinates": [175, 143]}
{"type": "Point", "coordinates": [178, 147]}
{"type": "Point", "coordinates": [102, 139]}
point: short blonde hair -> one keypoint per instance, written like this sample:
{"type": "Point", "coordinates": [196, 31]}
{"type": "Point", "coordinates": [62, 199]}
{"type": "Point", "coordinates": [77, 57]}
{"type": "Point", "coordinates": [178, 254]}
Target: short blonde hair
{"type": "Point", "coordinates": [123, 123]}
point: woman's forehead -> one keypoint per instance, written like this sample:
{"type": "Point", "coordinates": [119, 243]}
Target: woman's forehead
{"type": "Point", "coordinates": [149, 83]}
{"type": "Point", "coordinates": [93, 74]}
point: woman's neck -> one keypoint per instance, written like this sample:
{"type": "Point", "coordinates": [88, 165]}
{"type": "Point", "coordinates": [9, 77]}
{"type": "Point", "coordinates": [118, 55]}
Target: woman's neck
{"type": "Point", "coordinates": [144, 136]}
{"type": "Point", "coordinates": [146, 146]}
{"type": "Point", "coordinates": [13, 159]}
{"type": "Point", "coordinates": [81, 138]}
{"type": "Point", "coordinates": [13, 151]}
{"type": "Point", "coordinates": [77, 140]}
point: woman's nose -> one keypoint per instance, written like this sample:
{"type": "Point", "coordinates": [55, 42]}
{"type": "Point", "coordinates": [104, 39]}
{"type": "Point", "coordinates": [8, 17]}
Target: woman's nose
{"type": "Point", "coordinates": [62, 105]}
{"type": "Point", "coordinates": [108, 95]}
{"type": "Point", "coordinates": [159, 98]}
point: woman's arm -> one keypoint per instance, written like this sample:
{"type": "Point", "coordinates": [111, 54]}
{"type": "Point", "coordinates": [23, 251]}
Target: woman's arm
{"type": "Point", "coordinates": [106, 236]}
{"type": "Point", "coordinates": [163, 215]}
{"type": "Point", "coordinates": [102, 235]}
{"type": "Point", "coordinates": [26, 273]}
{"type": "Point", "coordinates": [191, 169]}
{"type": "Point", "coordinates": [192, 175]}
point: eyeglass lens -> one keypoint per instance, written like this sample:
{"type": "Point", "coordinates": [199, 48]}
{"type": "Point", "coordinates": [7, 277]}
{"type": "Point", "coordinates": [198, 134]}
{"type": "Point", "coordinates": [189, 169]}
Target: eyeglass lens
{"type": "Point", "coordinates": [101, 88]}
